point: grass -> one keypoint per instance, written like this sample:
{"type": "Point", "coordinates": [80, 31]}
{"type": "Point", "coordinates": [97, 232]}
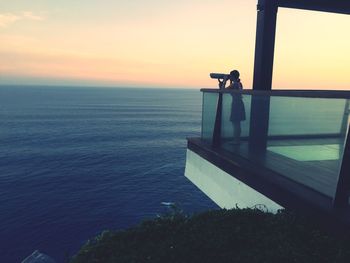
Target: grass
{"type": "Point", "coordinates": [238, 235]}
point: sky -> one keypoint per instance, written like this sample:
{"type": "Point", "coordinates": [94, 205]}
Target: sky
{"type": "Point", "coordinates": [163, 43]}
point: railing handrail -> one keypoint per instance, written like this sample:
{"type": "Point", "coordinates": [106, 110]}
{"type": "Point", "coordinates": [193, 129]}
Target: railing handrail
{"type": "Point", "coordinates": [331, 94]}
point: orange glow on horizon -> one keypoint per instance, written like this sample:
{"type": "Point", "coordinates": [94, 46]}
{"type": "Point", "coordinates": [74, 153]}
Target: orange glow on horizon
{"type": "Point", "coordinates": [169, 44]}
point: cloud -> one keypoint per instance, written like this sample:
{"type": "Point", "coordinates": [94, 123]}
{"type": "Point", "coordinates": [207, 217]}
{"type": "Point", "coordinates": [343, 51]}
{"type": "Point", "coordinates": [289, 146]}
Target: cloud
{"type": "Point", "coordinates": [10, 18]}
{"type": "Point", "coordinates": [29, 15]}
{"type": "Point", "coordinates": [7, 19]}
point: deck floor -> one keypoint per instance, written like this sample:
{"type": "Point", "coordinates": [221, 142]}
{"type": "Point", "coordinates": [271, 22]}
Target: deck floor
{"type": "Point", "coordinates": [314, 163]}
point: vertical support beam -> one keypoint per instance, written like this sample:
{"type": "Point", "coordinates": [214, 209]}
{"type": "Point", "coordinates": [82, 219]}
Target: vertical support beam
{"type": "Point", "coordinates": [263, 67]}
{"type": "Point", "coordinates": [345, 121]}
{"type": "Point", "coordinates": [342, 194]}
{"type": "Point", "coordinates": [217, 126]}
{"type": "Point", "coordinates": [259, 123]}
{"type": "Point", "coordinates": [265, 44]}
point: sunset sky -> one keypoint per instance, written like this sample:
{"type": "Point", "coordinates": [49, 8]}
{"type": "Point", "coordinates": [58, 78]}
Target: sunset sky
{"type": "Point", "coordinates": [161, 43]}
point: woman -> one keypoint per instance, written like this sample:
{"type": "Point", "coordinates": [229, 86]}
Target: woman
{"type": "Point", "coordinates": [237, 107]}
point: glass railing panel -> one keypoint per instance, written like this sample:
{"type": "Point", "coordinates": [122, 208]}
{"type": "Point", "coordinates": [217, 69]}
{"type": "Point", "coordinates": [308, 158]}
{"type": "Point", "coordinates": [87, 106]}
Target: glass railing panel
{"type": "Point", "coordinates": [235, 117]}
{"type": "Point", "coordinates": [305, 116]}
{"type": "Point", "coordinates": [304, 139]}
{"type": "Point", "coordinates": [209, 105]}
{"type": "Point", "coordinates": [307, 135]}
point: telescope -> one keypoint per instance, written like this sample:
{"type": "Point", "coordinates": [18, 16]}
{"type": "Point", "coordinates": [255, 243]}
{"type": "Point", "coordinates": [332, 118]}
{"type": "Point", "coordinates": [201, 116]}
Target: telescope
{"type": "Point", "coordinates": [220, 76]}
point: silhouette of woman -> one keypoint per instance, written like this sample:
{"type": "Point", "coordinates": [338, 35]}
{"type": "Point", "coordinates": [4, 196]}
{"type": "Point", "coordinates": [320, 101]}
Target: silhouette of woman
{"type": "Point", "coordinates": [237, 107]}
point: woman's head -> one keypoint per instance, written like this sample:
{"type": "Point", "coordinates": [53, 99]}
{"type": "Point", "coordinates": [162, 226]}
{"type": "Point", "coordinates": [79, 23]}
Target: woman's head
{"type": "Point", "coordinates": [234, 75]}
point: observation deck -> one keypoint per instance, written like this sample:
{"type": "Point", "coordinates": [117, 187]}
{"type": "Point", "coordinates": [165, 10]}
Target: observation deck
{"type": "Point", "coordinates": [290, 148]}
{"type": "Point", "coordinates": [292, 151]}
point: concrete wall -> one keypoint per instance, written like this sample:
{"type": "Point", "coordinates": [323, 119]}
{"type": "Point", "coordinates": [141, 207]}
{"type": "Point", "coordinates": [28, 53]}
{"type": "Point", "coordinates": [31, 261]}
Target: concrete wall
{"type": "Point", "coordinates": [225, 190]}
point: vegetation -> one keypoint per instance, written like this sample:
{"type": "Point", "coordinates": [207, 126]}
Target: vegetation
{"type": "Point", "coordinates": [238, 235]}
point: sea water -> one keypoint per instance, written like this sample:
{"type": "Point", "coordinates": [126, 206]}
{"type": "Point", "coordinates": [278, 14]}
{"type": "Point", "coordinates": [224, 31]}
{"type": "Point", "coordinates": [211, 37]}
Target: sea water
{"type": "Point", "coordinates": [75, 161]}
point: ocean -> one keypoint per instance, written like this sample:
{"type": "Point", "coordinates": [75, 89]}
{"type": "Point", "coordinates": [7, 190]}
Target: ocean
{"type": "Point", "coordinates": [75, 161]}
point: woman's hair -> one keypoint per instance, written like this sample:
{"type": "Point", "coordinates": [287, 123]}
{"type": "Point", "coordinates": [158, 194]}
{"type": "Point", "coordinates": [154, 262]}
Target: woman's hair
{"type": "Point", "coordinates": [234, 74]}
